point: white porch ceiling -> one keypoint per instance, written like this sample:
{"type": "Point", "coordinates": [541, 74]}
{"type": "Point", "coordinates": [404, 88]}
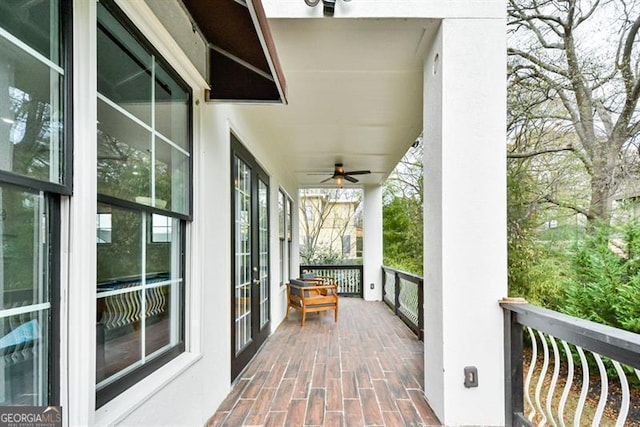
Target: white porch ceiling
{"type": "Point", "coordinates": [355, 94]}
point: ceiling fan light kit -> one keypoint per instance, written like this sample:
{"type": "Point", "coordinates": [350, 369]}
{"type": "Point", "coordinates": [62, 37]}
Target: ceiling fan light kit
{"type": "Point", "coordinates": [339, 175]}
{"type": "Point", "coordinates": [328, 6]}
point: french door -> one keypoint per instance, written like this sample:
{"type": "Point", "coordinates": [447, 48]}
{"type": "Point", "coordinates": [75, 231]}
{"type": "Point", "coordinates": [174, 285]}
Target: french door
{"type": "Point", "coordinates": [250, 260]}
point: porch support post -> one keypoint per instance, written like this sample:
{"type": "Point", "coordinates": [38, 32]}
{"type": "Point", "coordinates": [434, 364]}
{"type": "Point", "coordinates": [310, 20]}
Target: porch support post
{"type": "Point", "coordinates": [465, 220]}
{"type": "Point", "coordinates": [372, 243]}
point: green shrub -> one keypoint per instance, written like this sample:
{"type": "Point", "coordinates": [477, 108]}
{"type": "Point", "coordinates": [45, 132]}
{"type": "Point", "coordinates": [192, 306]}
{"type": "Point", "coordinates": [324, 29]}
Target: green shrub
{"type": "Point", "coordinates": [605, 285]}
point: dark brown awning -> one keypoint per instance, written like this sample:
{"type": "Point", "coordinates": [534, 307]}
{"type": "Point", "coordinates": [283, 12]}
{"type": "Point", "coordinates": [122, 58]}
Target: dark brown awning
{"type": "Point", "coordinates": [243, 63]}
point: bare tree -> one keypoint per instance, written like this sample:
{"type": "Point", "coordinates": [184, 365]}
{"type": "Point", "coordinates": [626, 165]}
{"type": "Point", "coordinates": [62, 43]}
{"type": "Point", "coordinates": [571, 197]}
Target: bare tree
{"type": "Point", "coordinates": [576, 63]}
{"type": "Point", "coordinates": [407, 179]}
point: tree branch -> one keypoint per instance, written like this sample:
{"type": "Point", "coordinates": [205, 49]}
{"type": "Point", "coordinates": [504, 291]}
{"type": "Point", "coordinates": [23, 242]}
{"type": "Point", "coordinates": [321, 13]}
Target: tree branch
{"type": "Point", "coordinates": [574, 208]}
{"type": "Point", "coordinates": [631, 82]}
{"type": "Point", "coordinates": [549, 67]}
{"type": "Point", "coordinates": [588, 15]}
{"type": "Point", "coordinates": [539, 152]}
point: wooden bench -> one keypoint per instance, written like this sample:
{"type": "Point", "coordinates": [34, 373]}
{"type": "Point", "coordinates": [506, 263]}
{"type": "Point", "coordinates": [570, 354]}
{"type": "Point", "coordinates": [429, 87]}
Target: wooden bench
{"type": "Point", "coordinates": [308, 296]}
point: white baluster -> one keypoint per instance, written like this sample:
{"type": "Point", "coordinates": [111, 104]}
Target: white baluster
{"type": "Point", "coordinates": [554, 380]}
{"type": "Point", "coordinates": [156, 300]}
{"type": "Point", "coordinates": [532, 366]}
{"type": "Point", "coordinates": [113, 301]}
{"type": "Point", "coordinates": [163, 300]}
{"type": "Point", "coordinates": [159, 298]}
{"type": "Point", "coordinates": [137, 308]}
{"type": "Point", "coordinates": [149, 302]}
{"type": "Point", "coordinates": [118, 311]}
{"type": "Point", "coordinates": [604, 390]}
{"type": "Point", "coordinates": [567, 385]}
{"type": "Point", "coordinates": [108, 322]}
{"type": "Point", "coordinates": [122, 306]}
{"type": "Point", "coordinates": [624, 385]}
{"type": "Point", "coordinates": [543, 374]}
{"type": "Point", "coordinates": [585, 387]}
{"type": "Point", "coordinates": [130, 307]}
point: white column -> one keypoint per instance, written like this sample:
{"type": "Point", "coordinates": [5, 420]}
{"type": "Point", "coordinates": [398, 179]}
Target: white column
{"type": "Point", "coordinates": [465, 259]}
{"type": "Point", "coordinates": [80, 369]}
{"type": "Point", "coordinates": [372, 243]}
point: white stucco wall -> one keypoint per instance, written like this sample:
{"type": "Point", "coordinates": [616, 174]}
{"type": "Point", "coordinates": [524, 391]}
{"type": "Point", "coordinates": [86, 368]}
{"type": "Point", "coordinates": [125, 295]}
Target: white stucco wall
{"type": "Point", "coordinates": [465, 219]}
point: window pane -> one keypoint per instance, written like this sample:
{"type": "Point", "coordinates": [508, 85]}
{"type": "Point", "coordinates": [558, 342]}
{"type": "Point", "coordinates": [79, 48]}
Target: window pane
{"type": "Point", "coordinates": [30, 115]}
{"type": "Point", "coordinates": [124, 67]}
{"type": "Point", "coordinates": [124, 156]}
{"type": "Point", "coordinates": [118, 331]}
{"type": "Point", "coordinates": [123, 257]}
{"type": "Point", "coordinates": [35, 23]}
{"type": "Point", "coordinates": [288, 220]}
{"type": "Point", "coordinates": [163, 247]}
{"type": "Point", "coordinates": [161, 227]}
{"type": "Point", "coordinates": [263, 244]}
{"type": "Point", "coordinates": [138, 314]}
{"type": "Point", "coordinates": [281, 214]}
{"type": "Point", "coordinates": [24, 281]}
{"type": "Point", "coordinates": [172, 108]}
{"type": "Point", "coordinates": [172, 178]}
{"type": "Point", "coordinates": [24, 352]}
{"type": "Point", "coordinates": [162, 321]}
{"type": "Point", "coordinates": [243, 262]}
{"type": "Point", "coordinates": [23, 251]}
{"type": "Point", "coordinates": [103, 228]}
{"type": "Point", "coordinates": [143, 106]}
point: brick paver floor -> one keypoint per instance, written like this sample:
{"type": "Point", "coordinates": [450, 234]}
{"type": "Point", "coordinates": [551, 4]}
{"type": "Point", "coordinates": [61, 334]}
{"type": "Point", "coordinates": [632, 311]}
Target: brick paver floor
{"type": "Point", "coordinates": [365, 370]}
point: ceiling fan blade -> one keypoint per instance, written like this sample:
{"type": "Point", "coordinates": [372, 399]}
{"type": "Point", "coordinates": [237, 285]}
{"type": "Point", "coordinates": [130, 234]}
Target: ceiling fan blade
{"type": "Point", "coordinates": [350, 179]}
{"type": "Point", "coordinates": [325, 180]}
{"type": "Point", "coordinates": [358, 173]}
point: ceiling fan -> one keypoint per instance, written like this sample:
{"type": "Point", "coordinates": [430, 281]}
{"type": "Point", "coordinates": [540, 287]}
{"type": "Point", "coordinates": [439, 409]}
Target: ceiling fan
{"type": "Point", "coordinates": [339, 175]}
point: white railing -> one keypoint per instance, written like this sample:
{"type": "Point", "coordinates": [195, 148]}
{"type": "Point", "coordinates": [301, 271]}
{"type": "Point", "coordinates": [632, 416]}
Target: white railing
{"type": "Point", "coordinates": [121, 303]}
{"type": "Point", "coordinates": [348, 277]}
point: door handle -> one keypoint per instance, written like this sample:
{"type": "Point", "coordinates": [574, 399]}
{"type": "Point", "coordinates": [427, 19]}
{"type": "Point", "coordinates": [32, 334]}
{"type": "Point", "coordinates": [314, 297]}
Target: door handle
{"type": "Point", "coordinates": [256, 282]}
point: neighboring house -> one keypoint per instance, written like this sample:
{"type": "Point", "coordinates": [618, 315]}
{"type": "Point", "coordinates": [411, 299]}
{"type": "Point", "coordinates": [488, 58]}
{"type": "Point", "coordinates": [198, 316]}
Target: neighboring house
{"type": "Point", "coordinates": [150, 154]}
{"type": "Point", "coordinates": [330, 225]}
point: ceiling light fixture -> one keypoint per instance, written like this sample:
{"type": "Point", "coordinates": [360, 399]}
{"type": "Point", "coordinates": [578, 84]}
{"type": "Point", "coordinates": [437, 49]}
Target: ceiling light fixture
{"type": "Point", "coordinates": [328, 6]}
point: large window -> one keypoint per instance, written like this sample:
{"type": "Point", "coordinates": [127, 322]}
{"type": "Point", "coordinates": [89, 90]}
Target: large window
{"type": "Point", "coordinates": [144, 177]}
{"type": "Point", "coordinates": [33, 174]}
{"type": "Point", "coordinates": [284, 232]}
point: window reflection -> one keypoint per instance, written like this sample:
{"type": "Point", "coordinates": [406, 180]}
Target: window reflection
{"type": "Point", "coordinates": [139, 292]}
{"type": "Point", "coordinates": [30, 116]}
{"type": "Point", "coordinates": [143, 123]}
{"type": "Point", "coordinates": [24, 308]}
